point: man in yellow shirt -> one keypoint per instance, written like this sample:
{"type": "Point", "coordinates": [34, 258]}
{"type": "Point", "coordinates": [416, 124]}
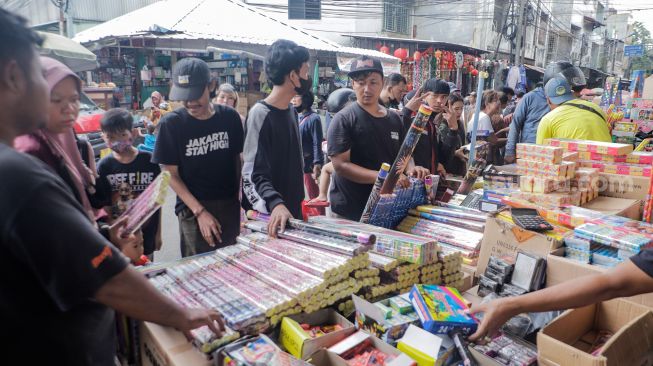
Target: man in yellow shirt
{"type": "Point", "coordinates": [571, 118]}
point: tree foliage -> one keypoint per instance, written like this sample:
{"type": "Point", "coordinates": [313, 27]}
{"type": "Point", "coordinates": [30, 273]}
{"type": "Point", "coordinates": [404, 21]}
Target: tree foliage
{"type": "Point", "coordinates": [641, 35]}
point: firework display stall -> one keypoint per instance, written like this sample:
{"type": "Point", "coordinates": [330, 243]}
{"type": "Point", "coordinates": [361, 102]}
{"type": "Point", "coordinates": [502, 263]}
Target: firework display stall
{"type": "Point", "coordinates": [394, 288]}
{"type": "Point", "coordinates": [423, 59]}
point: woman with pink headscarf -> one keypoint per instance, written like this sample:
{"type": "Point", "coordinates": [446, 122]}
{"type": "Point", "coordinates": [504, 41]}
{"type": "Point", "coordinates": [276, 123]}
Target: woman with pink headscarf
{"type": "Point", "coordinates": [55, 144]}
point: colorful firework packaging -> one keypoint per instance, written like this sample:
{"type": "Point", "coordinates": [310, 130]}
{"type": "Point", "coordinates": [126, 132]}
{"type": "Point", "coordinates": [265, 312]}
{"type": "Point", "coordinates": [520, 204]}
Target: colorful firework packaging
{"type": "Point", "coordinates": [344, 234]}
{"type": "Point", "coordinates": [146, 204]}
{"type": "Point", "coordinates": [407, 148]}
{"type": "Point", "coordinates": [376, 193]}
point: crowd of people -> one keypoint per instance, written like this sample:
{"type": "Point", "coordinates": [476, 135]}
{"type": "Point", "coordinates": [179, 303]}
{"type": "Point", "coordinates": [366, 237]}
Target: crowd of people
{"type": "Point", "coordinates": [62, 229]}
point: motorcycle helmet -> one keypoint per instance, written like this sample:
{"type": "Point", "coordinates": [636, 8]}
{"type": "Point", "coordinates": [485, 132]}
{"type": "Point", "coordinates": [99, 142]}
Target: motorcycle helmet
{"type": "Point", "coordinates": [339, 99]}
{"type": "Point", "coordinates": [574, 75]}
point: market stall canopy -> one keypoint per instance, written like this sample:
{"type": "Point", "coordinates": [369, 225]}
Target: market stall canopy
{"type": "Point", "coordinates": [534, 68]}
{"type": "Point", "coordinates": [68, 51]}
{"type": "Point", "coordinates": [420, 43]}
{"type": "Point", "coordinates": [221, 23]}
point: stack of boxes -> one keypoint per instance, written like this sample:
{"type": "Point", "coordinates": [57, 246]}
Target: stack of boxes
{"type": "Point", "coordinates": [608, 157]}
{"type": "Point", "coordinates": [550, 181]}
{"type": "Point", "coordinates": [609, 240]}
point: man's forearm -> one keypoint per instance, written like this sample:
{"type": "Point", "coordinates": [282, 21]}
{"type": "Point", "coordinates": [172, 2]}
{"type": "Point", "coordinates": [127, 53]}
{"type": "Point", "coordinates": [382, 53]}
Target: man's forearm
{"type": "Point", "coordinates": [355, 173]}
{"type": "Point", "coordinates": [624, 280]}
{"type": "Point", "coordinates": [182, 191]}
{"type": "Point", "coordinates": [511, 143]}
{"type": "Point", "coordinates": [131, 294]}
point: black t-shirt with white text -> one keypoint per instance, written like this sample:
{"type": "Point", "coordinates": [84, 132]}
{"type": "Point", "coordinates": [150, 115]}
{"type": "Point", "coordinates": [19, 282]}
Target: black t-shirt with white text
{"type": "Point", "coordinates": [53, 263]}
{"type": "Point", "coordinates": [372, 141]}
{"type": "Point", "coordinates": [206, 152]}
{"type": "Point", "coordinates": [128, 181]}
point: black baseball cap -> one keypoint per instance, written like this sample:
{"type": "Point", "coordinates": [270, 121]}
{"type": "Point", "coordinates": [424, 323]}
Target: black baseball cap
{"type": "Point", "coordinates": [190, 76]}
{"type": "Point", "coordinates": [365, 64]}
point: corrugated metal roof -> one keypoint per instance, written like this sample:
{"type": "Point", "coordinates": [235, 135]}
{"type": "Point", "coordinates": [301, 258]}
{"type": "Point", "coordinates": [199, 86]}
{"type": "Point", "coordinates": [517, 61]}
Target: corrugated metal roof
{"type": "Point", "coordinates": [221, 20]}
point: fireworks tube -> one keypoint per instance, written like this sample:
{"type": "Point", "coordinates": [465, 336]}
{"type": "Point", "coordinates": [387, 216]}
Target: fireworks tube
{"type": "Point", "coordinates": [349, 249]}
{"type": "Point", "coordinates": [433, 210]}
{"type": "Point", "coordinates": [407, 148]}
{"type": "Point", "coordinates": [146, 204]}
{"type": "Point", "coordinates": [375, 194]}
{"type": "Point", "coordinates": [343, 234]}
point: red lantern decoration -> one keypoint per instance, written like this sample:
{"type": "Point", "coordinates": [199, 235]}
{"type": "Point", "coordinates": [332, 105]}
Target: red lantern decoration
{"type": "Point", "coordinates": [401, 53]}
{"type": "Point", "coordinates": [474, 72]}
{"type": "Point", "coordinates": [385, 49]}
{"type": "Point", "coordinates": [417, 56]}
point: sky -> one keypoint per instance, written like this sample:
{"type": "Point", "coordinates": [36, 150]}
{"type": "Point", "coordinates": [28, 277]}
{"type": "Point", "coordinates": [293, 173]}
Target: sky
{"type": "Point", "coordinates": [644, 16]}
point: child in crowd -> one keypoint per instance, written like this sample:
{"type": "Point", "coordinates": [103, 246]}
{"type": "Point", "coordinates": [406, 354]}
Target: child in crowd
{"type": "Point", "coordinates": [149, 138]}
{"type": "Point", "coordinates": [325, 181]}
{"type": "Point", "coordinates": [128, 172]}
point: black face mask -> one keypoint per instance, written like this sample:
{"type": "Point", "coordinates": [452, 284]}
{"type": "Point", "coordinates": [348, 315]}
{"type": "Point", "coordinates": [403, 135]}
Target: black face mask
{"type": "Point", "coordinates": [304, 86]}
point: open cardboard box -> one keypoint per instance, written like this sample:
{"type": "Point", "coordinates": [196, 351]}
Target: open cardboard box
{"type": "Point", "coordinates": [630, 208]}
{"type": "Point", "coordinates": [568, 338]}
{"type": "Point", "coordinates": [164, 346]}
{"type": "Point", "coordinates": [372, 320]}
{"type": "Point", "coordinates": [502, 238]}
{"type": "Point", "coordinates": [560, 269]}
{"type": "Point", "coordinates": [299, 344]}
{"type": "Point", "coordinates": [328, 357]}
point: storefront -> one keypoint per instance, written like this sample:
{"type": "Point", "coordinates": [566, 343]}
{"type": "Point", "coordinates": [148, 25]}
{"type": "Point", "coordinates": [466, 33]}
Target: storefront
{"type": "Point", "coordinates": [424, 59]}
{"type": "Point", "coordinates": [232, 37]}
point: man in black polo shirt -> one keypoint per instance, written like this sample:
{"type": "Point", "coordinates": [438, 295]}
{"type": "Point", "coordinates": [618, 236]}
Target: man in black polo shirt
{"type": "Point", "coordinates": [363, 136]}
{"type": "Point", "coordinates": [60, 277]}
{"type": "Point", "coordinates": [630, 278]}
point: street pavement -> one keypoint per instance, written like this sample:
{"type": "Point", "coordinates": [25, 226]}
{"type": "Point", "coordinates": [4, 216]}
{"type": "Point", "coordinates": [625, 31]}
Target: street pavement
{"type": "Point", "coordinates": [170, 232]}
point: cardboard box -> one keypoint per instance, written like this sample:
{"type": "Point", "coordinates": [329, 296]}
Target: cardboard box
{"type": "Point", "coordinates": [629, 208]}
{"type": "Point", "coordinates": [164, 346]}
{"type": "Point", "coordinates": [502, 238]}
{"type": "Point", "coordinates": [568, 338]}
{"type": "Point", "coordinates": [328, 357]}
{"type": "Point", "coordinates": [623, 186]}
{"type": "Point", "coordinates": [560, 269]}
{"type": "Point", "coordinates": [299, 344]}
{"type": "Point", "coordinates": [372, 320]}
{"type": "Point", "coordinates": [441, 309]}
{"type": "Point", "coordinates": [425, 348]}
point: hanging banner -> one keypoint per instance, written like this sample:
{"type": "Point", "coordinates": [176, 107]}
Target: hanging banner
{"type": "Point", "coordinates": [344, 64]}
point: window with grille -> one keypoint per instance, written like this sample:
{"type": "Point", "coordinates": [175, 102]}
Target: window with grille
{"type": "Point", "coordinates": [304, 9]}
{"type": "Point", "coordinates": [541, 33]}
{"type": "Point", "coordinates": [551, 47]}
{"type": "Point", "coordinates": [395, 16]}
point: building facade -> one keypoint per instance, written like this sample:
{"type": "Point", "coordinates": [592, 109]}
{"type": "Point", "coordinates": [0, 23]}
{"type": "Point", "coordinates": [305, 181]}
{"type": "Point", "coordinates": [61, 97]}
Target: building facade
{"type": "Point", "coordinates": [73, 16]}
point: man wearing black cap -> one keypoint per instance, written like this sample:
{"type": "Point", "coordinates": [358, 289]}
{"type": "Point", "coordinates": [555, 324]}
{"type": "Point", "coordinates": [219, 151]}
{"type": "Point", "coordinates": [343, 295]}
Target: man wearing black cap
{"type": "Point", "coordinates": [273, 170]}
{"type": "Point", "coordinates": [363, 136]}
{"type": "Point", "coordinates": [200, 145]}
{"type": "Point", "coordinates": [441, 137]}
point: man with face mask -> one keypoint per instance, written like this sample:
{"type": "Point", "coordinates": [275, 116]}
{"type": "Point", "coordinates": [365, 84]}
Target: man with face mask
{"type": "Point", "coordinates": [394, 90]}
{"type": "Point", "coordinates": [200, 145]}
{"type": "Point", "coordinates": [273, 160]}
